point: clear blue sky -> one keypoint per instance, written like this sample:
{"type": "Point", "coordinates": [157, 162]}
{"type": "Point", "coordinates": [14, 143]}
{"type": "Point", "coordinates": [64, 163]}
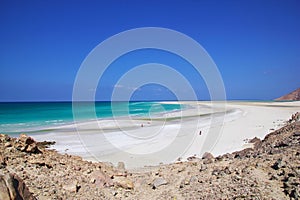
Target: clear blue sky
{"type": "Point", "coordinates": [255, 43]}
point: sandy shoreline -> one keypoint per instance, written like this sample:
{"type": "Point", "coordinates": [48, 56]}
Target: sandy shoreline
{"type": "Point", "coordinates": [163, 139]}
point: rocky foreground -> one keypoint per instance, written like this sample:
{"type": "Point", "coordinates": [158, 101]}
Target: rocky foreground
{"type": "Point", "coordinates": [269, 170]}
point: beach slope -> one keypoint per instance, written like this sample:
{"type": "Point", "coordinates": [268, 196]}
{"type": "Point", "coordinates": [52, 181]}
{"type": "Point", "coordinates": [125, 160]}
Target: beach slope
{"type": "Point", "coordinates": [268, 170]}
{"type": "Point", "coordinates": [218, 128]}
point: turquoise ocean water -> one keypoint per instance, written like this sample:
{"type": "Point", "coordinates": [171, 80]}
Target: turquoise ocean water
{"type": "Point", "coordinates": [34, 116]}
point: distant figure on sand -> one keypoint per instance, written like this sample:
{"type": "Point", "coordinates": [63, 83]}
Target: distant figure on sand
{"type": "Point", "coordinates": [200, 132]}
{"type": "Point", "coordinates": [142, 125]}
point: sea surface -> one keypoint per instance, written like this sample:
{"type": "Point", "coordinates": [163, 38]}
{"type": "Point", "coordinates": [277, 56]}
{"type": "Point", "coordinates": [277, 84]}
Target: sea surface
{"type": "Point", "coordinates": [16, 117]}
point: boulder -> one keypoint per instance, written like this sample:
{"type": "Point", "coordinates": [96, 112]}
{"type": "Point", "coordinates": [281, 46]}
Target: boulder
{"type": "Point", "coordinates": [255, 140]}
{"type": "Point", "coordinates": [101, 179]}
{"type": "Point", "coordinates": [208, 158]}
{"type": "Point", "coordinates": [12, 188]}
{"type": "Point", "coordinates": [278, 164]}
{"type": "Point", "coordinates": [27, 144]}
{"type": "Point", "coordinates": [4, 138]}
{"type": "Point", "coordinates": [159, 182]}
{"type": "Point", "coordinates": [121, 166]}
{"type": "Point", "coordinates": [45, 144]}
{"type": "Point", "coordinates": [123, 183]}
{"type": "Point", "coordinates": [32, 148]}
{"type": "Point", "coordinates": [72, 186]}
{"type": "Point", "coordinates": [207, 155]}
{"type": "Point", "coordinates": [26, 139]}
{"type": "Point", "coordinates": [4, 192]}
{"type": "Point", "coordinates": [41, 162]}
{"type": "Point", "coordinates": [7, 144]}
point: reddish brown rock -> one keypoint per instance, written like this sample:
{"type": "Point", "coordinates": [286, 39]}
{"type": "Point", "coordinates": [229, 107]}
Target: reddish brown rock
{"type": "Point", "coordinates": [293, 96]}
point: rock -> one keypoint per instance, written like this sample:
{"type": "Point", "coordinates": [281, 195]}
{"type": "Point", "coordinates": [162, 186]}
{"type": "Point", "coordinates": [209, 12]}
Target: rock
{"type": "Point", "coordinates": [12, 188]}
{"type": "Point", "coordinates": [193, 179]}
{"type": "Point", "coordinates": [27, 144]}
{"type": "Point", "coordinates": [159, 182]}
{"type": "Point", "coordinates": [123, 183]}
{"type": "Point", "coordinates": [88, 171]}
{"type": "Point", "coordinates": [121, 166]}
{"type": "Point", "coordinates": [22, 148]}
{"type": "Point", "coordinates": [227, 170]}
{"type": "Point", "coordinates": [293, 96]}
{"type": "Point", "coordinates": [282, 144]}
{"type": "Point", "coordinates": [295, 194]}
{"type": "Point", "coordinates": [77, 168]}
{"type": "Point", "coordinates": [215, 172]}
{"type": "Point", "coordinates": [192, 158]}
{"type": "Point", "coordinates": [26, 139]}
{"type": "Point", "coordinates": [7, 144]}
{"type": "Point", "coordinates": [114, 193]}
{"type": "Point", "coordinates": [32, 148]}
{"type": "Point", "coordinates": [181, 169]}
{"type": "Point", "coordinates": [3, 161]}
{"type": "Point", "coordinates": [72, 186]}
{"type": "Point", "coordinates": [245, 153]}
{"type": "Point", "coordinates": [207, 155]}
{"type": "Point", "coordinates": [203, 167]}
{"type": "Point", "coordinates": [254, 140]}
{"type": "Point", "coordinates": [92, 180]}
{"type": "Point", "coordinates": [186, 181]}
{"type": "Point", "coordinates": [4, 193]}
{"type": "Point", "coordinates": [181, 185]}
{"type": "Point", "coordinates": [101, 179]}
{"type": "Point", "coordinates": [295, 117]}
{"type": "Point", "coordinates": [228, 156]}
{"type": "Point", "coordinates": [297, 134]}
{"type": "Point", "coordinates": [41, 163]}
{"type": "Point", "coordinates": [45, 144]}
{"type": "Point", "coordinates": [278, 164]}
{"type": "Point", "coordinates": [236, 177]}
{"type": "Point", "coordinates": [208, 158]}
{"type": "Point", "coordinates": [274, 177]}
{"type": "Point", "coordinates": [4, 138]}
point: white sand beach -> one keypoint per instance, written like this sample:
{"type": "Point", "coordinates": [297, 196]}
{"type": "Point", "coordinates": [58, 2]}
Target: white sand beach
{"type": "Point", "coordinates": [218, 128]}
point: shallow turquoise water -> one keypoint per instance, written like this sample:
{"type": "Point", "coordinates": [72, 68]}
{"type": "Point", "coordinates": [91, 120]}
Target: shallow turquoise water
{"type": "Point", "coordinates": [17, 117]}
